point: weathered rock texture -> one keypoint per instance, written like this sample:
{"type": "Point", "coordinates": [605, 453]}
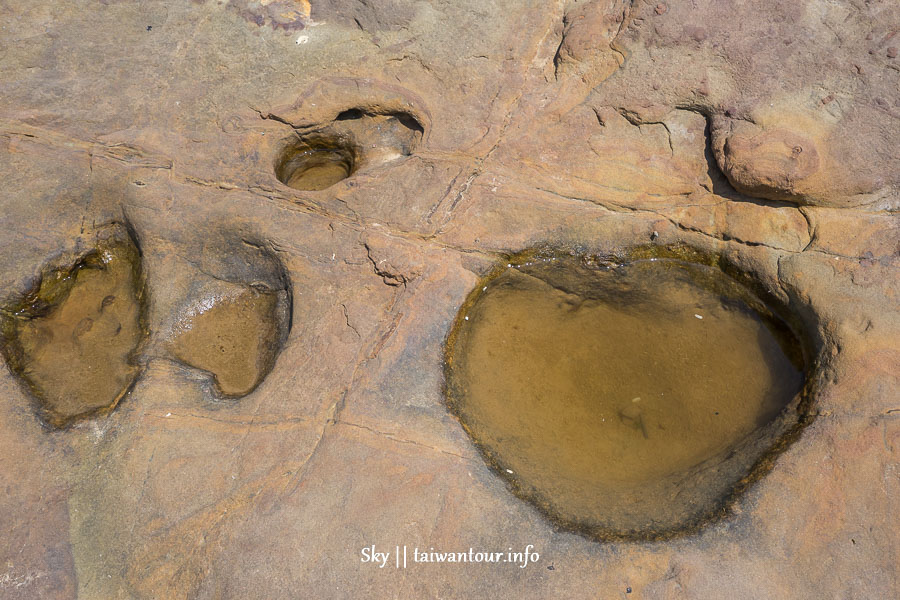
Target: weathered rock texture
{"type": "Point", "coordinates": [763, 131]}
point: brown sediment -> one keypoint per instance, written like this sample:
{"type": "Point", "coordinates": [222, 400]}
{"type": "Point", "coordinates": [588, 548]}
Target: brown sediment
{"type": "Point", "coordinates": [315, 165]}
{"type": "Point", "coordinates": [73, 337]}
{"type": "Point", "coordinates": [317, 160]}
{"type": "Point", "coordinates": [625, 400]}
{"type": "Point", "coordinates": [234, 336]}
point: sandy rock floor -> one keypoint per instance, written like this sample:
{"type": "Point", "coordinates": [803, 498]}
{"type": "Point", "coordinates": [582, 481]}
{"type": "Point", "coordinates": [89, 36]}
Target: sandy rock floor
{"type": "Point", "coordinates": [764, 132]}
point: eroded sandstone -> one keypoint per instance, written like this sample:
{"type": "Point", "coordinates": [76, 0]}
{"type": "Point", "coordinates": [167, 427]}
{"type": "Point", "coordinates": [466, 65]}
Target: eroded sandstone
{"type": "Point", "coordinates": [677, 125]}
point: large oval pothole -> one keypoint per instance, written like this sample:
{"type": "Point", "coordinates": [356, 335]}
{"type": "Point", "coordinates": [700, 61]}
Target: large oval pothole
{"type": "Point", "coordinates": [626, 400]}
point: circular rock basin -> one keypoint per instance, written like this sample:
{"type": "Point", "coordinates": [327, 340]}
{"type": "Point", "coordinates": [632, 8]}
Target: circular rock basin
{"type": "Point", "coordinates": [315, 164]}
{"type": "Point", "coordinates": [626, 401]}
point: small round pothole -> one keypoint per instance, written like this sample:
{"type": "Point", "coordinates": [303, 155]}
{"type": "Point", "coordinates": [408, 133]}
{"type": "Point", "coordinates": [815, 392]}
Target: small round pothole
{"type": "Point", "coordinates": [315, 164]}
{"type": "Point", "coordinates": [626, 400]}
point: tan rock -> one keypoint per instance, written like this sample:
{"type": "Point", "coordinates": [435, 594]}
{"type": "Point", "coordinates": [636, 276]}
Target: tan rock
{"type": "Point", "coordinates": [174, 116]}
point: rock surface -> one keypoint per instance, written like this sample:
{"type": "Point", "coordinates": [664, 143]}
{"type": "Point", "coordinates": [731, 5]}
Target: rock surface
{"type": "Point", "coordinates": [764, 132]}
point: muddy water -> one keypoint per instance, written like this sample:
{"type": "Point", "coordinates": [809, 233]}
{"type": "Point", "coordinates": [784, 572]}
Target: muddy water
{"type": "Point", "coordinates": [315, 168]}
{"type": "Point", "coordinates": [234, 336]}
{"type": "Point", "coordinates": [73, 338]}
{"type": "Point", "coordinates": [354, 139]}
{"type": "Point", "coordinates": [625, 401]}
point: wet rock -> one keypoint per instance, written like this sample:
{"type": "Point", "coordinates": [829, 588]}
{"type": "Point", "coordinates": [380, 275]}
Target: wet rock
{"type": "Point", "coordinates": [353, 140]}
{"type": "Point", "coordinates": [234, 334]}
{"type": "Point", "coordinates": [603, 394]}
{"type": "Point", "coordinates": [315, 163]}
{"type": "Point", "coordinates": [73, 338]}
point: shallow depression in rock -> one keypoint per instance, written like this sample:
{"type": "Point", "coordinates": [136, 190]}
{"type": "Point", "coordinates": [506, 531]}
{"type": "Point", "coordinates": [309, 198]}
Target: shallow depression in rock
{"type": "Point", "coordinates": [317, 164]}
{"type": "Point", "coordinates": [628, 401]}
{"type": "Point", "coordinates": [73, 338]}
{"type": "Point", "coordinates": [355, 139]}
{"type": "Point", "coordinates": [235, 336]}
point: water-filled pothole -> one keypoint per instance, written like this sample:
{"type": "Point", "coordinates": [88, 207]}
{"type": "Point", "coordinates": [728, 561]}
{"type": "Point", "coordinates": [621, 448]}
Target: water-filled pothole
{"type": "Point", "coordinates": [316, 163]}
{"type": "Point", "coordinates": [236, 315]}
{"type": "Point", "coordinates": [354, 139]}
{"type": "Point", "coordinates": [73, 337]}
{"type": "Point", "coordinates": [234, 334]}
{"type": "Point", "coordinates": [625, 400]}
